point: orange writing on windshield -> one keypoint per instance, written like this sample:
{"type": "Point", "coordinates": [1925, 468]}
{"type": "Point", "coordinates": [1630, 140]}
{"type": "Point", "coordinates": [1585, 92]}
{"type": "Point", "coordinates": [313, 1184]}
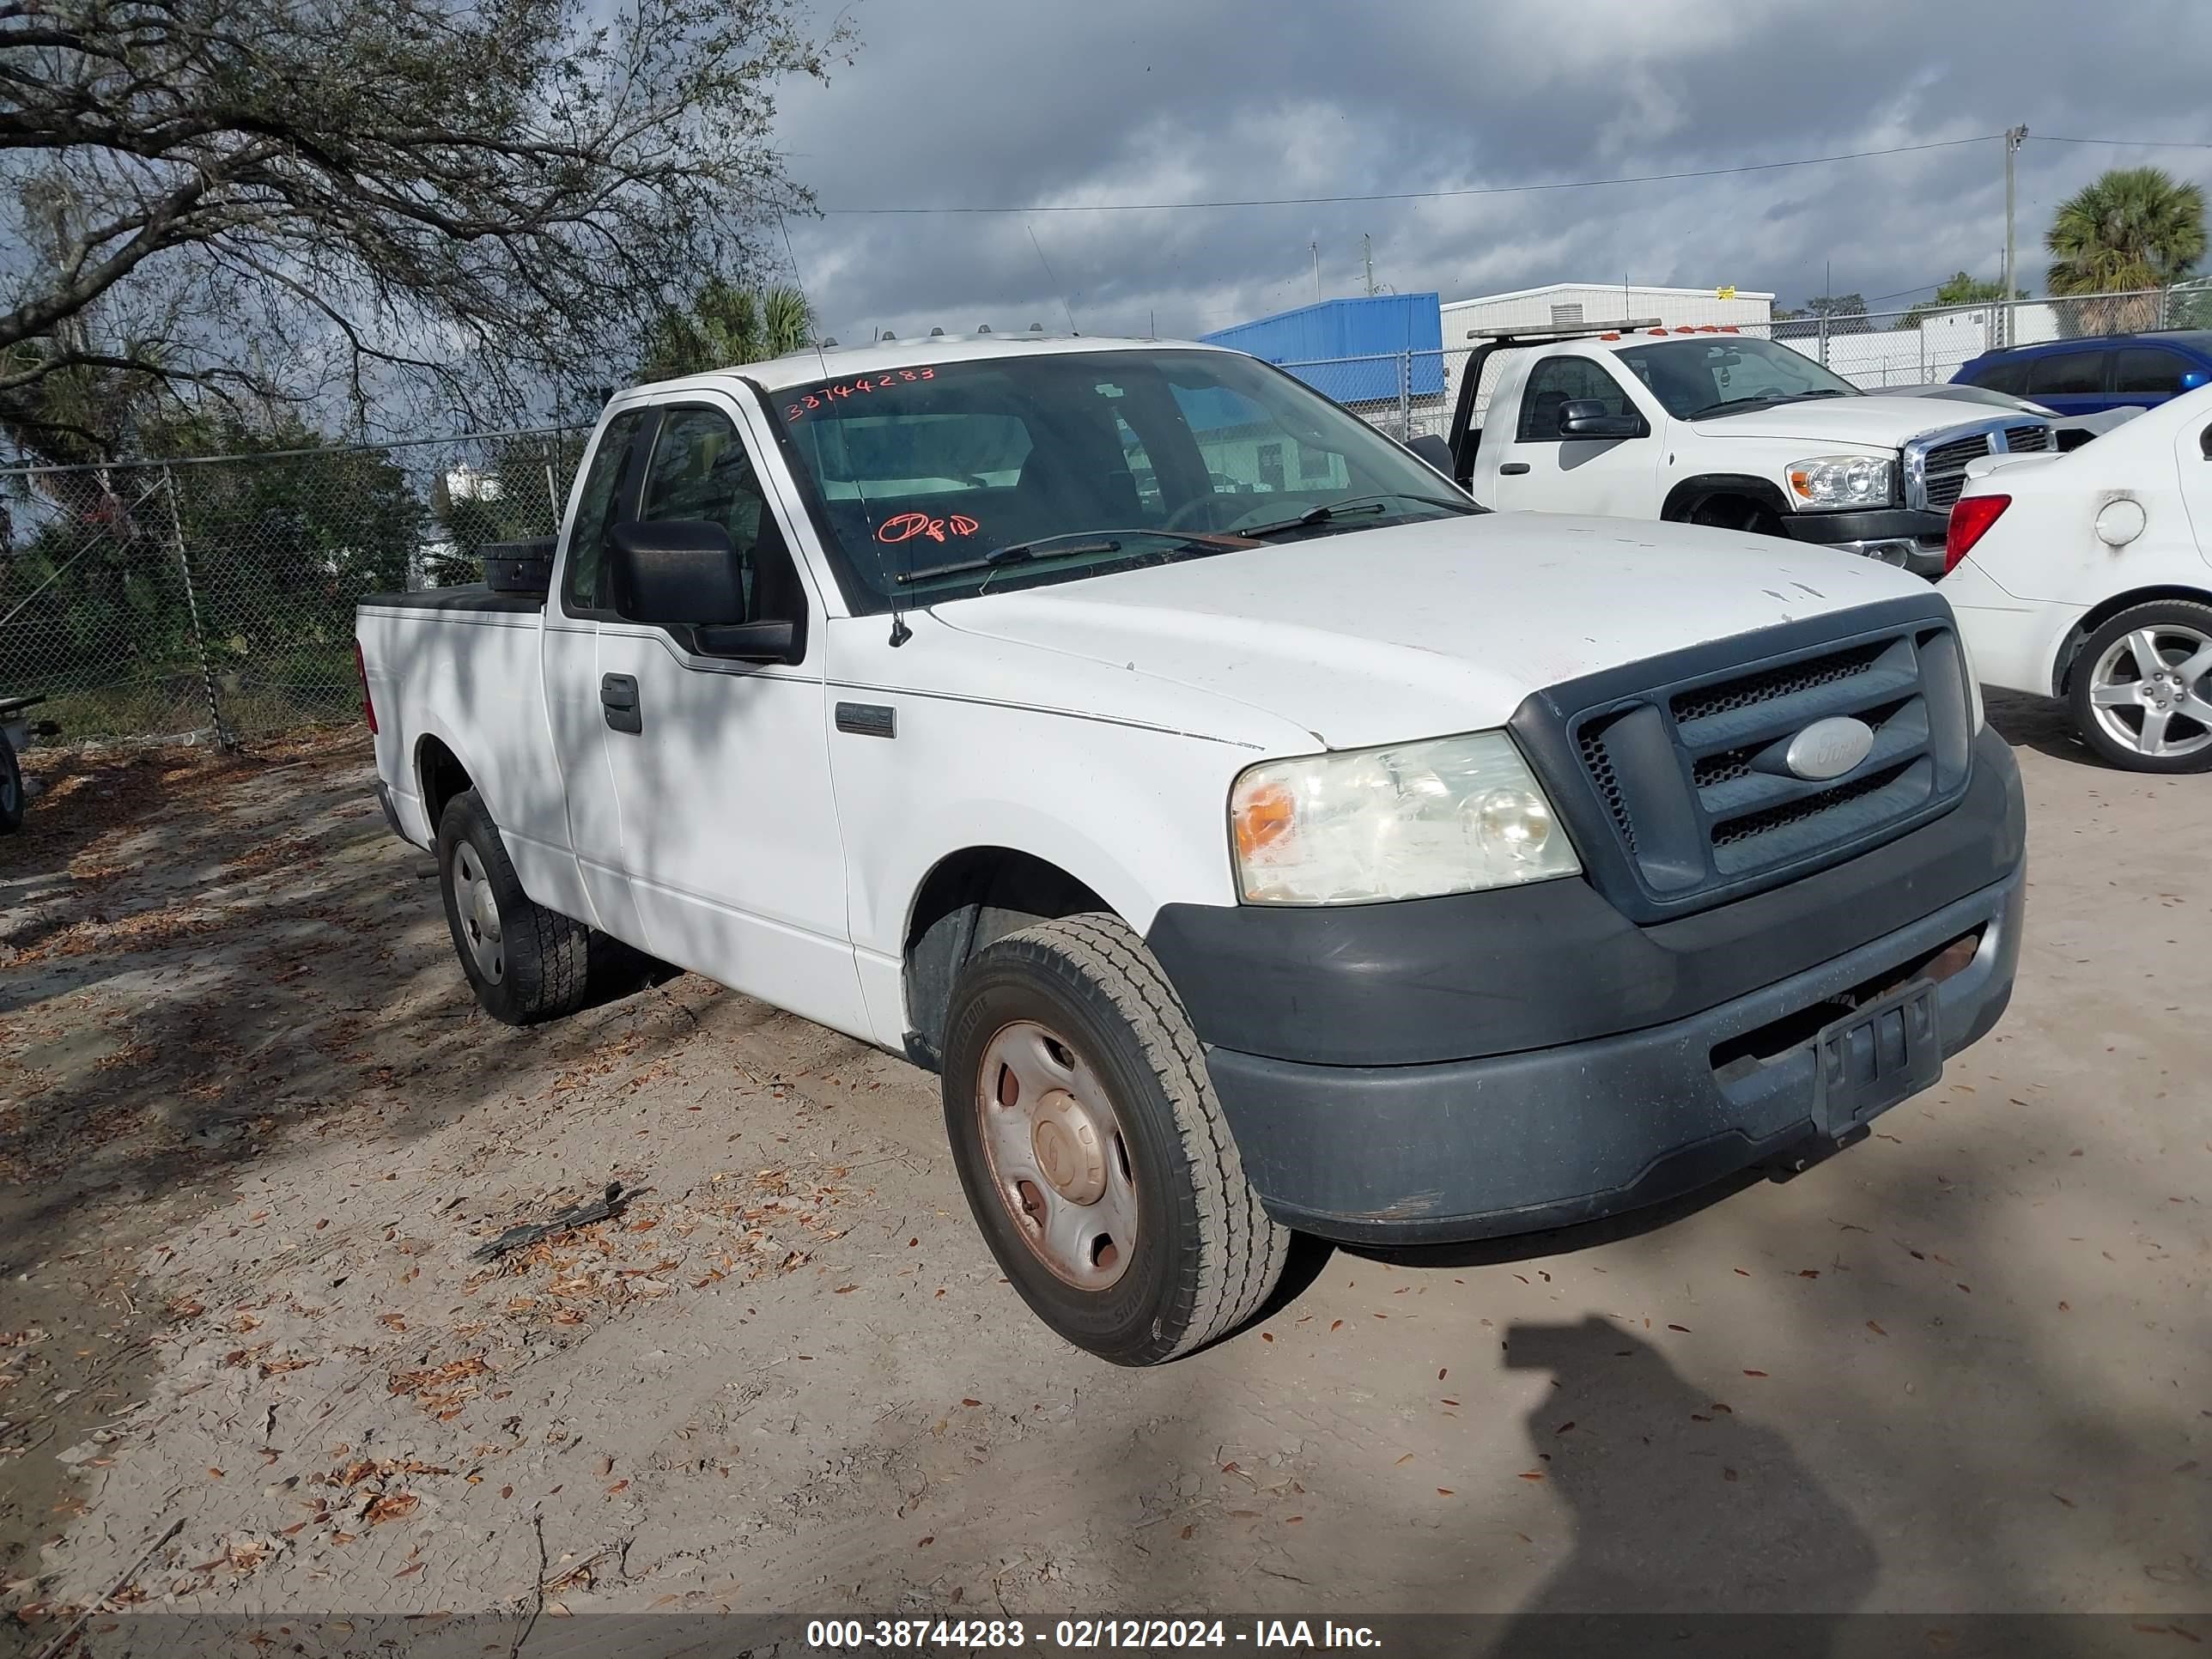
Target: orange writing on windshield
{"type": "Point", "coordinates": [908, 525]}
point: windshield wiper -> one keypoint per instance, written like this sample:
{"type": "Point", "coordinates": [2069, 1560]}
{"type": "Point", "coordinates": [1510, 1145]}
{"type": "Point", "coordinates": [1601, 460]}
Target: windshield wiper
{"type": "Point", "coordinates": [1760, 400]}
{"type": "Point", "coordinates": [1071, 544]}
{"type": "Point", "coordinates": [1323, 512]}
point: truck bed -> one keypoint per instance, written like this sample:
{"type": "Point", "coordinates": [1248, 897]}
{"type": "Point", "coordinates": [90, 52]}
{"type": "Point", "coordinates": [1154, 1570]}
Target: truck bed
{"type": "Point", "coordinates": [475, 597]}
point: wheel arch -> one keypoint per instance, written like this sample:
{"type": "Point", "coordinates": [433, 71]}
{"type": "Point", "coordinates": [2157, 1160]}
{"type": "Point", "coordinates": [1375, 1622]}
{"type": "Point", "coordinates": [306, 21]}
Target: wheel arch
{"type": "Point", "coordinates": [440, 775]}
{"type": "Point", "coordinates": [2069, 647]}
{"type": "Point", "coordinates": [1691, 494]}
{"type": "Point", "coordinates": [968, 899]}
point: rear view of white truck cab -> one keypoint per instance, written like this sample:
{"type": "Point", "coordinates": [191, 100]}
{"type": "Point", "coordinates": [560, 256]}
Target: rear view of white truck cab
{"type": "Point", "coordinates": [1340, 858]}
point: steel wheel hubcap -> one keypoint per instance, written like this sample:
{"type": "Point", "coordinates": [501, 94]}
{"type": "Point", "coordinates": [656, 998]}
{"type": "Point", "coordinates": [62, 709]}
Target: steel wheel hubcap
{"type": "Point", "coordinates": [2148, 691]}
{"type": "Point", "coordinates": [1057, 1156]}
{"type": "Point", "coordinates": [479, 914]}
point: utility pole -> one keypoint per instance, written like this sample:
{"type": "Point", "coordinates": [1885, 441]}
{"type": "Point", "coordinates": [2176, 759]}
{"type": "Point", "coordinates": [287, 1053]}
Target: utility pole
{"type": "Point", "coordinates": [1316, 246]}
{"type": "Point", "coordinates": [1367, 255]}
{"type": "Point", "coordinates": [2014, 136]}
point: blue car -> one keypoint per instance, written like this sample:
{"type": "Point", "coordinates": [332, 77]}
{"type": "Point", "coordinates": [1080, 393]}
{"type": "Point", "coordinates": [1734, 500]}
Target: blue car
{"type": "Point", "coordinates": [2085, 377]}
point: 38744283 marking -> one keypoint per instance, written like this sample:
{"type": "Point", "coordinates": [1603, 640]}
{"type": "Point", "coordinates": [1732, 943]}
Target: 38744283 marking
{"type": "Point", "coordinates": [1082, 1635]}
{"type": "Point", "coordinates": [825, 396]}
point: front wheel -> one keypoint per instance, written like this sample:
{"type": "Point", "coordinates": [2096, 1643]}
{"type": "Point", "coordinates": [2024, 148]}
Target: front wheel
{"type": "Point", "coordinates": [2141, 694]}
{"type": "Point", "coordinates": [1092, 1150]}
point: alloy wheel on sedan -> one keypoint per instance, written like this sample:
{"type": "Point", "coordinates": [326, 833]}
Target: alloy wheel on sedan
{"type": "Point", "coordinates": [2150, 691]}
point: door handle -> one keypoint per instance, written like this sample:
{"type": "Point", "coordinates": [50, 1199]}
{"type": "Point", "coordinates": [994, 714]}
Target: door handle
{"type": "Point", "coordinates": [618, 699]}
{"type": "Point", "coordinates": [1512, 469]}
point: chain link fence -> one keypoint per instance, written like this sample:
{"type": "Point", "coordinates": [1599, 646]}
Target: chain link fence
{"type": "Point", "coordinates": [213, 597]}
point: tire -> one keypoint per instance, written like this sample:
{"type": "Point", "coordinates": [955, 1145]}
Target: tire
{"type": "Point", "coordinates": [1738, 512]}
{"type": "Point", "coordinates": [1071, 1023]}
{"type": "Point", "coordinates": [2128, 715]}
{"type": "Point", "coordinates": [525, 963]}
{"type": "Point", "coordinates": [11, 789]}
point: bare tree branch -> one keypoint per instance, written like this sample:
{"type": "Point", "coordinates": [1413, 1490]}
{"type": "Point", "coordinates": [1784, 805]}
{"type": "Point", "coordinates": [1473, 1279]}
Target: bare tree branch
{"type": "Point", "coordinates": [464, 195]}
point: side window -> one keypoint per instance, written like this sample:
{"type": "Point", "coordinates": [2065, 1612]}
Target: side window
{"type": "Point", "coordinates": [583, 582]}
{"type": "Point", "coordinates": [2008, 376]}
{"type": "Point", "coordinates": [1558, 381]}
{"type": "Point", "coordinates": [2150, 369]}
{"type": "Point", "coordinates": [701, 469]}
{"type": "Point", "coordinates": [2065, 373]}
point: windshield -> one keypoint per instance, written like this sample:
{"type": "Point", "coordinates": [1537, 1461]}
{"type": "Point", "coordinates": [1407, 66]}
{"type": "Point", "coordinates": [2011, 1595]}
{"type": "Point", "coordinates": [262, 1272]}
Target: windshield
{"type": "Point", "coordinates": [1069, 465]}
{"type": "Point", "coordinates": [1696, 379]}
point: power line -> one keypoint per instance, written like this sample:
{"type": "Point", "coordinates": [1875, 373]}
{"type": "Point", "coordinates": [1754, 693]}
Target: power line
{"type": "Point", "coordinates": [1422, 194]}
{"type": "Point", "coordinates": [2128, 143]}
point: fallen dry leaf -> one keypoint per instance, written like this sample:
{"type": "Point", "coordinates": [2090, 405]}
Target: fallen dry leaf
{"type": "Point", "coordinates": [1876, 1329]}
{"type": "Point", "coordinates": [1402, 1461]}
{"type": "Point", "coordinates": [393, 1506]}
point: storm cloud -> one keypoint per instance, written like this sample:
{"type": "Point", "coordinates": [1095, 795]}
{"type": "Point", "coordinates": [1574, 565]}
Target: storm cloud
{"type": "Point", "coordinates": [963, 102]}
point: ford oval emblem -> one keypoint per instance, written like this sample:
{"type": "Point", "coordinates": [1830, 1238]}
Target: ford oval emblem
{"type": "Point", "coordinates": [1828, 748]}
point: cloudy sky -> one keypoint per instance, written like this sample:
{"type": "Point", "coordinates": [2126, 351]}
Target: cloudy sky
{"type": "Point", "coordinates": [1047, 103]}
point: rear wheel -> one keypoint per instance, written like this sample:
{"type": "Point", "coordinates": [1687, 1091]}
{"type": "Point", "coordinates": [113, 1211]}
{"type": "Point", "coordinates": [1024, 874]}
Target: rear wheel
{"type": "Point", "coordinates": [2140, 692]}
{"type": "Point", "coordinates": [525, 962]}
{"type": "Point", "coordinates": [11, 788]}
{"type": "Point", "coordinates": [1092, 1150]}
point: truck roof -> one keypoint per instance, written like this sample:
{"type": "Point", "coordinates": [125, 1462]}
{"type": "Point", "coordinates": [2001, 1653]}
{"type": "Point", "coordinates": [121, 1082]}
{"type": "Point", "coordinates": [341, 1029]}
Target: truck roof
{"type": "Point", "coordinates": [831, 362]}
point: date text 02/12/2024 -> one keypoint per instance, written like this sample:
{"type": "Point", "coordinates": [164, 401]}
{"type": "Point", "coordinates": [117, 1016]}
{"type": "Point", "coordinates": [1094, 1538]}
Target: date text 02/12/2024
{"type": "Point", "coordinates": [1082, 1635]}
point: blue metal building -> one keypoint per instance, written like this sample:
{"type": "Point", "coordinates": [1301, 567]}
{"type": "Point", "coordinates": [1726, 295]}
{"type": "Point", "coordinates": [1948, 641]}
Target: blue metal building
{"type": "Point", "coordinates": [1353, 350]}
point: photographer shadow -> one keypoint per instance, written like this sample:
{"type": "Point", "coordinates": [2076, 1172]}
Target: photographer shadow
{"type": "Point", "coordinates": [1689, 1514]}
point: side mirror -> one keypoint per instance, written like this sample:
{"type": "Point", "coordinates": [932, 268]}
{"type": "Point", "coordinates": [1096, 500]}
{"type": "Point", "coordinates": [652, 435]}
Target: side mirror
{"type": "Point", "coordinates": [1432, 449]}
{"type": "Point", "coordinates": [673, 572]}
{"type": "Point", "coordinates": [2193, 378]}
{"type": "Point", "coordinates": [1586, 417]}
{"type": "Point", "coordinates": [684, 575]}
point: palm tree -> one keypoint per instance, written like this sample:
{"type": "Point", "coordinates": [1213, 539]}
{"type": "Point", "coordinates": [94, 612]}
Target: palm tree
{"type": "Point", "coordinates": [726, 325]}
{"type": "Point", "coordinates": [2131, 229]}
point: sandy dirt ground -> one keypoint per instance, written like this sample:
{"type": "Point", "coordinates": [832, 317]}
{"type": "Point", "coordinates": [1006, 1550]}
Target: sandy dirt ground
{"type": "Point", "coordinates": [252, 1129]}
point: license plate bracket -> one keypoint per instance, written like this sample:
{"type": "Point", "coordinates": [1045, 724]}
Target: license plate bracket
{"type": "Point", "coordinates": [1876, 1056]}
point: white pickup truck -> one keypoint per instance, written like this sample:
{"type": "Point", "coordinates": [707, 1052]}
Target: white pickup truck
{"type": "Point", "coordinates": [1343, 858]}
{"type": "Point", "coordinates": [1709, 426]}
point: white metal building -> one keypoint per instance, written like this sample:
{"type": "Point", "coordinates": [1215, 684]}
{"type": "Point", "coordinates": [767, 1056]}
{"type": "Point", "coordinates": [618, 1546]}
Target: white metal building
{"type": "Point", "coordinates": [1563, 304]}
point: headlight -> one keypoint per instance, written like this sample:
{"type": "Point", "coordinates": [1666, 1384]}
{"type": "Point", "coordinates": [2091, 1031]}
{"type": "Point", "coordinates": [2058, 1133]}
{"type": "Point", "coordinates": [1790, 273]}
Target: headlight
{"type": "Point", "coordinates": [1843, 481]}
{"type": "Point", "coordinates": [1449, 816]}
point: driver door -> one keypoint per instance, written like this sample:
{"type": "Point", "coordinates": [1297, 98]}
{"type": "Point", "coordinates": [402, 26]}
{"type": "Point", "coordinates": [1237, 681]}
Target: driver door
{"type": "Point", "coordinates": [720, 768]}
{"type": "Point", "coordinates": [1542, 470]}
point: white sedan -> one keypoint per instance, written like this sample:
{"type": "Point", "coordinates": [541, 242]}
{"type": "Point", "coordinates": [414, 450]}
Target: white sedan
{"type": "Point", "coordinates": [2088, 577]}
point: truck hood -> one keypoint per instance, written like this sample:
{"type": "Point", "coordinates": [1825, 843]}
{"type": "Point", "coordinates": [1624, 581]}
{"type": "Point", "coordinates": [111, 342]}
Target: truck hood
{"type": "Point", "coordinates": [1423, 630]}
{"type": "Point", "coordinates": [1877, 423]}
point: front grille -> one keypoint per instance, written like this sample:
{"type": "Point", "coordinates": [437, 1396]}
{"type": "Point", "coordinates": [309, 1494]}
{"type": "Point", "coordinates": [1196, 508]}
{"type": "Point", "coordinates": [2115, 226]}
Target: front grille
{"type": "Point", "coordinates": [1687, 780]}
{"type": "Point", "coordinates": [1755, 824]}
{"type": "Point", "coordinates": [1935, 464]}
{"type": "Point", "coordinates": [1776, 683]}
{"type": "Point", "coordinates": [1945, 480]}
{"type": "Point", "coordinates": [1599, 764]}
